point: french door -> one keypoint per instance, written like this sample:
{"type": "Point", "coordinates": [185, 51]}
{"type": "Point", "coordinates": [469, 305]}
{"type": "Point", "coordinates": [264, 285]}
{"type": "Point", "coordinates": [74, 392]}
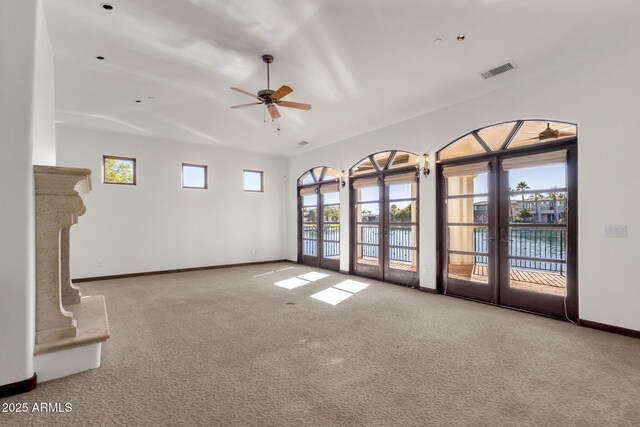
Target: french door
{"type": "Point", "coordinates": [508, 232]}
{"type": "Point", "coordinates": [319, 226]}
{"type": "Point", "coordinates": [385, 226]}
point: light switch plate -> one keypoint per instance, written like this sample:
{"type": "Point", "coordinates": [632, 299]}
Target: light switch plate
{"type": "Point", "coordinates": [615, 231]}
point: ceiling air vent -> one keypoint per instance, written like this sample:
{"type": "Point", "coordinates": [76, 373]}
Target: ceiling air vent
{"type": "Point", "coordinates": [498, 70]}
{"type": "Point", "coordinates": [303, 143]}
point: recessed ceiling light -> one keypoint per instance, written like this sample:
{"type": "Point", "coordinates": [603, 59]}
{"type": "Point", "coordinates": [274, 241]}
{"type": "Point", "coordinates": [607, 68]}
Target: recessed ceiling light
{"type": "Point", "coordinates": [461, 37]}
{"type": "Point", "coordinates": [437, 41]}
{"type": "Point", "coordinates": [106, 6]}
{"type": "Point", "coordinates": [100, 58]}
{"type": "Point", "coordinates": [137, 100]}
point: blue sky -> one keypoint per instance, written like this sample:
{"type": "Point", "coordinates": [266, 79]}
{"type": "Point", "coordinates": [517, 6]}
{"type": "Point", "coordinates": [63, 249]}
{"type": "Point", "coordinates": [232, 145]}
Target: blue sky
{"type": "Point", "coordinates": [540, 177]}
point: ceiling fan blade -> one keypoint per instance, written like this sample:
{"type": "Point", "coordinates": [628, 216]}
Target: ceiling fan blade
{"type": "Point", "coordinates": [298, 105]}
{"type": "Point", "coordinates": [561, 134]}
{"type": "Point", "coordinates": [281, 93]}
{"type": "Point", "coordinates": [273, 111]}
{"type": "Point", "coordinates": [245, 92]}
{"type": "Point", "coordinates": [246, 105]}
{"type": "Point", "coordinates": [528, 139]}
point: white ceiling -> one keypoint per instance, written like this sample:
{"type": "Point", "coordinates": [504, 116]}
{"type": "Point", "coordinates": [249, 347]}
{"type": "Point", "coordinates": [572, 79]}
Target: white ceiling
{"type": "Point", "coordinates": [361, 64]}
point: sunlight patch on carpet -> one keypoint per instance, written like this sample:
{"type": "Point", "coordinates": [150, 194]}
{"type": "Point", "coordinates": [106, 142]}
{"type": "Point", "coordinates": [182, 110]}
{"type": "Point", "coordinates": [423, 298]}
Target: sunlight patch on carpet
{"type": "Point", "coordinates": [332, 296]}
{"type": "Point", "coordinates": [292, 283]}
{"type": "Point", "coordinates": [312, 276]}
{"type": "Point", "coordinates": [352, 286]}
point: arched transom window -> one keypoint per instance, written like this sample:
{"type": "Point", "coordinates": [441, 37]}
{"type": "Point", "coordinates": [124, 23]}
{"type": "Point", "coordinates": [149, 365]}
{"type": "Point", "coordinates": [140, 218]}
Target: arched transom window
{"type": "Point", "coordinates": [507, 136]}
{"type": "Point", "coordinates": [319, 175]}
{"type": "Point", "coordinates": [385, 160]}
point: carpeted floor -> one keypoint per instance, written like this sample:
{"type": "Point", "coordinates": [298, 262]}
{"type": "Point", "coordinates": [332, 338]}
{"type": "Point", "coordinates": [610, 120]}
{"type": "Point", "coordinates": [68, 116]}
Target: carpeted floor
{"type": "Point", "coordinates": [223, 347]}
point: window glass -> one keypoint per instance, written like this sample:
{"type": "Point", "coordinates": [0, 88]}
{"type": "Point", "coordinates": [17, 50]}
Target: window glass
{"type": "Point", "coordinates": [118, 170]}
{"type": "Point", "coordinates": [535, 132]}
{"type": "Point", "coordinates": [331, 174]}
{"type": "Point", "coordinates": [403, 159]}
{"type": "Point", "coordinates": [495, 136]}
{"type": "Point", "coordinates": [465, 146]}
{"type": "Point", "coordinates": [253, 181]}
{"type": "Point", "coordinates": [194, 176]}
{"type": "Point", "coordinates": [381, 159]}
{"type": "Point", "coordinates": [363, 167]}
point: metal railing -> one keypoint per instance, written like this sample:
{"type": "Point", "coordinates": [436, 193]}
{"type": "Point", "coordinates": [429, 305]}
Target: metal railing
{"type": "Point", "coordinates": [331, 243]}
{"type": "Point", "coordinates": [400, 242]}
{"type": "Point", "coordinates": [531, 243]}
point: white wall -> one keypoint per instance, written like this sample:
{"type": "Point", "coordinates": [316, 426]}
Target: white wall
{"type": "Point", "coordinates": [157, 225]}
{"type": "Point", "coordinates": [26, 123]}
{"type": "Point", "coordinates": [603, 100]}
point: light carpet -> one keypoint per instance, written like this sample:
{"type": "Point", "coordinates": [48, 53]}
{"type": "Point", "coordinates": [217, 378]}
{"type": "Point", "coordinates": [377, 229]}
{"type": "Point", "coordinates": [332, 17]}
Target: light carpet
{"type": "Point", "coordinates": [222, 347]}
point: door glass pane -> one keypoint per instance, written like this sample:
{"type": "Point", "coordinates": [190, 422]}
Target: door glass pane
{"type": "Point", "coordinates": [403, 212]}
{"type": "Point", "coordinates": [332, 213]}
{"type": "Point", "coordinates": [331, 242]}
{"type": "Point", "coordinates": [310, 216]}
{"type": "Point", "coordinates": [331, 232]}
{"type": "Point", "coordinates": [368, 194]}
{"type": "Point", "coordinates": [538, 194]}
{"type": "Point", "coordinates": [467, 184]}
{"type": "Point", "coordinates": [310, 247]}
{"type": "Point", "coordinates": [538, 253]}
{"type": "Point", "coordinates": [468, 210]}
{"type": "Point", "coordinates": [543, 268]}
{"type": "Point", "coordinates": [367, 254]}
{"type": "Point", "coordinates": [403, 235]}
{"type": "Point", "coordinates": [311, 200]}
{"type": "Point", "coordinates": [331, 198]}
{"type": "Point", "coordinates": [402, 191]}
{"type": "Point", "coordinates": [472, 268]}
{"type": "Point", "coordinates": [368, 212]}
{"type": "Point", "coordinates": [402, 259]}
{"type": "Point", "coordinates": [468, 238]}
{"type": "Point", "coordinates": [369, 234]}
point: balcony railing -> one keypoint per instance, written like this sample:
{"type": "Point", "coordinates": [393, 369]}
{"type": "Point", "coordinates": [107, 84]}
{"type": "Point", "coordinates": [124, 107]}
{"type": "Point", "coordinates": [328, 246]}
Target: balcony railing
{"type": "Point", "coordinates": [546, 243]}
{"type": "Point", "coordinates": [400, 242]}
{"type": "Point", "coordinates": [331, 237]}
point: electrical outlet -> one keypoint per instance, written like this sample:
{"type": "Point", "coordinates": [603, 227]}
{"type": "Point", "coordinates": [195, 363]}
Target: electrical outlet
{"type": "Point", "coordinates": [100, 263]}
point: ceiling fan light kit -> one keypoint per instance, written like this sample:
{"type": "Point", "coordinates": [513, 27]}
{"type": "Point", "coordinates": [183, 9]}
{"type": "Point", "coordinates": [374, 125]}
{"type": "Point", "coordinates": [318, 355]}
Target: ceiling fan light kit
{"type": "Point", "coordinates": [271, 99]}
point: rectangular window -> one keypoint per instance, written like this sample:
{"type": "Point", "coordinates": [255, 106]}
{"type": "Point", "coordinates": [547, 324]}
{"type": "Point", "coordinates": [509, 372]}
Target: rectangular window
{"type": "Point", "coordinates": [118, 170]}
{"type": "Point", "coordinates": [253, 180]}
{"type": "Point", "coordinates": [194, 176]}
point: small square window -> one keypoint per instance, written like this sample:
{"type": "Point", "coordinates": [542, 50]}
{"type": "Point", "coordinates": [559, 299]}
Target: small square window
{"type": "Point", "coordinates": [194, 176]}
{"type": "Point", "coordinates": [253, 181]}
{"type": "Point", "coordinates": [118, 170]}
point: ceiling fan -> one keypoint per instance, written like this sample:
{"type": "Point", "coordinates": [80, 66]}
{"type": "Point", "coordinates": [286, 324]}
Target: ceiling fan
{"type": "Point", "coordinates": [549, 133]}
{"type": "Point", "coordinates": [272, 98]}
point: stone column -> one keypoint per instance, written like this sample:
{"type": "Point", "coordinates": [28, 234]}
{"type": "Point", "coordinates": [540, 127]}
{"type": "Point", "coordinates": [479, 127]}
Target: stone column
{"type": "Point", "coordinates": [56, 203]}
{"type": "Point", "coordinates": [70, 292]}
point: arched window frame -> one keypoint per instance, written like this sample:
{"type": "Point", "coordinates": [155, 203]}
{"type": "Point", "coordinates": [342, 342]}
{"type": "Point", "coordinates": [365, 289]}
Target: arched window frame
{"type": "Point", "coordinates": [505, 146]}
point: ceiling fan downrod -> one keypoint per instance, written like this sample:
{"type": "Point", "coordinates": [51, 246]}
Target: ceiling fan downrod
{"type": "Point", "coordinates": [268, 59]}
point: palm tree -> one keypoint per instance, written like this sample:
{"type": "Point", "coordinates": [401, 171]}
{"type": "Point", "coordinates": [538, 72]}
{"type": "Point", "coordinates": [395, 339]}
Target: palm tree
{"type": "Point", "coordinates": [521, 187]}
